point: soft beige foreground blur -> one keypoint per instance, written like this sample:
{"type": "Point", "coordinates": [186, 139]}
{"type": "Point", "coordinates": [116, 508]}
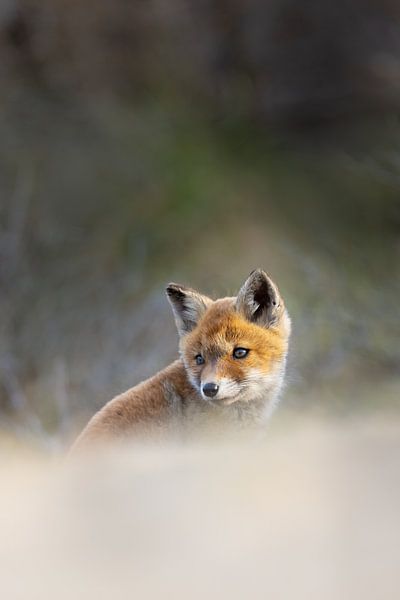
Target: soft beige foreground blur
{"type": "Point", "coordinates": [310, 512]}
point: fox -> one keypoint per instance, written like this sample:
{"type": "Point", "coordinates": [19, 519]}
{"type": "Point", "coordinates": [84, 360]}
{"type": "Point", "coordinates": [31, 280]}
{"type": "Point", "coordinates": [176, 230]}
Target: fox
{"type": "Point", "coordinates": [232, 358]}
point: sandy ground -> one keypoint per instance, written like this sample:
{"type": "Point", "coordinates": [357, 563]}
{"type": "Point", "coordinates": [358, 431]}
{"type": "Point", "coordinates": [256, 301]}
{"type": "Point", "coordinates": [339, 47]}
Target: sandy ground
{"type": "Point", "coordinates": [312, 511]}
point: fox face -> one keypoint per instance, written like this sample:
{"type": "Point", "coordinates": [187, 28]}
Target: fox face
{"type": "Point", "coordinates": [234, 349]}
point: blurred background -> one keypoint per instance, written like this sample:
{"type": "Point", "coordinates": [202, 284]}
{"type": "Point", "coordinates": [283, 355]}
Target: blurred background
{"type": "Point", "coordinates": [144, 142]}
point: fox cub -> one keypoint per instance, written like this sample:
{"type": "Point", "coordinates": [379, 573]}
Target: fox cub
{"type": "Point", "coordinates": [232, 362]}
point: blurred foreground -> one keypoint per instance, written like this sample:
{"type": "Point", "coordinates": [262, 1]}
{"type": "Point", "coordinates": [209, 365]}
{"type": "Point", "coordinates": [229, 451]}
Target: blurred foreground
{"type": "Point", "coordinates": [311, 512]}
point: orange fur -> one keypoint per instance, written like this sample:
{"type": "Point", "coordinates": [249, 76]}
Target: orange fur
{"type": "Point", "coordinates": [222, 329]}
{"type": "Point", "coordinates": [256, 320]}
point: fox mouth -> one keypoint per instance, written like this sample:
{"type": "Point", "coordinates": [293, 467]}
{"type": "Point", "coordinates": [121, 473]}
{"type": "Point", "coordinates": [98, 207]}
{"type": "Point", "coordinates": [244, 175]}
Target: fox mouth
{"type": "Point", "coordinates": [225, 400]}
{"type": "Point", "coordinates": [231, 400]}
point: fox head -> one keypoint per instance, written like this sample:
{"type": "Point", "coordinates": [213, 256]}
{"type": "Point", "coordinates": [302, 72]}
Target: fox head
{"type": "Point", "coordinates": [234, 349]}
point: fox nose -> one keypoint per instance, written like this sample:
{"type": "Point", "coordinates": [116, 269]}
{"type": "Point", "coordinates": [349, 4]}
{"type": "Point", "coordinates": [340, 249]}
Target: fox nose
{"type": "Point", "coordinates": [210, 389]}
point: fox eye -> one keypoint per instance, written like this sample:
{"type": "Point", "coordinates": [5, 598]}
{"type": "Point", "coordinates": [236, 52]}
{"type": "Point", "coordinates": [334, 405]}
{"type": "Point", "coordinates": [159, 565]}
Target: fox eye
{"type": "Point", "coordinates": [199, 359]}
{"type": "Point", "coordinates": [240, 352]}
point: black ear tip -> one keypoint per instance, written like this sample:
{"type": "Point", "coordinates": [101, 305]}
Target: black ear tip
{"type": "Point", "coordinates": [258, 274]}
{"type": "Point", "coordinates": [173, 290]}
{"type": "Point", "coordinates": [170, 289]}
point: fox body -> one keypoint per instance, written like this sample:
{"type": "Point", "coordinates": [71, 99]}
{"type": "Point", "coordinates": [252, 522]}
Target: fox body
{"type": "Point", "coordinates": [231, 366]}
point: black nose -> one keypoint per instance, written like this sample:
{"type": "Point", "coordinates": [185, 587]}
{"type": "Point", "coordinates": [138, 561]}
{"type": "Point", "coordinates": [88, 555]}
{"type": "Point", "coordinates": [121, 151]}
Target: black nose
{"type": "Point", "coordinates": [210, 389]}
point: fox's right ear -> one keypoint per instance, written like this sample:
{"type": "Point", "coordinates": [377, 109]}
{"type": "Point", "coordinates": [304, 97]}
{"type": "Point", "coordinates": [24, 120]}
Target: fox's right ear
{"type": "Point", "coordinates": [188, 306]}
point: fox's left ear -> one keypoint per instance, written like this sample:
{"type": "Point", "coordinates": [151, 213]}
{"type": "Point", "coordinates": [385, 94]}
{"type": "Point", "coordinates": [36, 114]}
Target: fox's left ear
{"type": "Point", "coordinates": [259, 299]}
{"type": "Point", "coordinates": [188, 306]}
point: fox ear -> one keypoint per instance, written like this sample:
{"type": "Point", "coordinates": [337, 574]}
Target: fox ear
{"type": "Point", "coordinates": [259, 299]}
{"type": "Point", "coordinates": [188, 306]}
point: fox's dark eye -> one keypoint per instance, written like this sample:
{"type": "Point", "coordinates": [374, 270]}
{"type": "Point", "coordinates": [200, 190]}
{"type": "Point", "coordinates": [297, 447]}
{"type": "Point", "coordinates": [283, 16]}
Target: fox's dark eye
{"type": "Point", "coordinates": [240, 352]}
{"type": "Point", "coordinates": [199, 359]}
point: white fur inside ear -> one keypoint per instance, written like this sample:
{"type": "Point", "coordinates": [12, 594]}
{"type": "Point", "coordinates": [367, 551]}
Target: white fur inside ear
{"type": "Point", "coordinates": [255, 306]}
{"type": "Point", "coordinates": [188, 307]}
{"type": "Point", "coordinates": [190, 313]}
{"type": "Point", "coordinates": [259, 300]}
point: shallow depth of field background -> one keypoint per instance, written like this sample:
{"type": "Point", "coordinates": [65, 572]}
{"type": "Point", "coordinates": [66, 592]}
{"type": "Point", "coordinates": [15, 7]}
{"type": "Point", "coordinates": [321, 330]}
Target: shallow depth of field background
{"type": "Point", "coordinates": [192, 141]}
